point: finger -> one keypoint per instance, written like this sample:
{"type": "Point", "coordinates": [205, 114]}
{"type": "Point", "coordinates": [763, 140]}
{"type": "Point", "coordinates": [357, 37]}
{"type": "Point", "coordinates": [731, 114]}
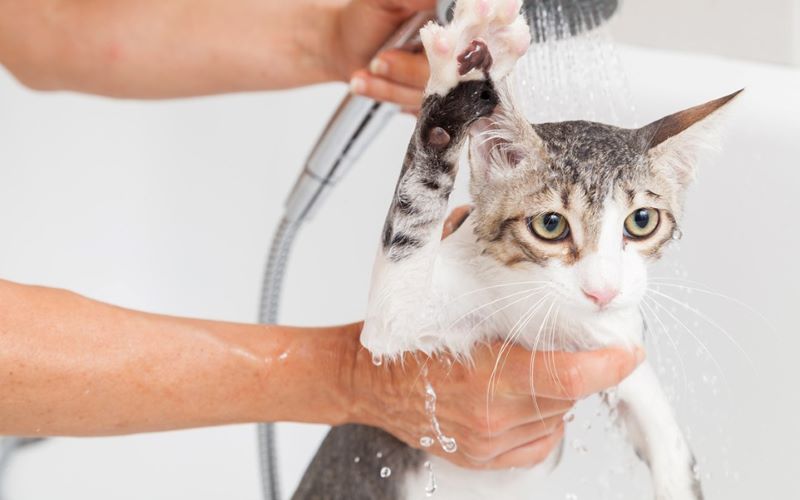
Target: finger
{"type": "Point", "coordinates": [483, 449]}
{"type": "Point", "coordinates": [527, 455]}
{"type": "Point", "coordinates": [363, 83]}
{"type": "Point", "coordinates": [402, 6]}
{"type": "Point", "coordinates": [566, 375]}
{"type": "Point", "coordinates": [410, 110]}
{"type": "Point", "coordinates": [505, 414]}
{"type": "Point", "coordinates": [455, 219]}
{"type": "Point", "coordinates": [402, 67]}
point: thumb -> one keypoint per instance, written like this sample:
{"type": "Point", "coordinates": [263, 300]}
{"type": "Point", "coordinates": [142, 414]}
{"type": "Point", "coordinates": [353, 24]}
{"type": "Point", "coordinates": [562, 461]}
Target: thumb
{"type": "Point", "coordinates": [402, 8]}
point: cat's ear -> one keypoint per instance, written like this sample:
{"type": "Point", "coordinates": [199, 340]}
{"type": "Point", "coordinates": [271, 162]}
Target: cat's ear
{"type": "Point", "coordinates": [501, 144]}
{"type": "Point", "coordinates": [675, 141]}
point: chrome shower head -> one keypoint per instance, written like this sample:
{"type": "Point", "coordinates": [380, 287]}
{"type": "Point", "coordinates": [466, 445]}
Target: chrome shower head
{"type": "Point", "coordinates": [552, 19]}
{"type": "Point", "coordinates": [359, 119]}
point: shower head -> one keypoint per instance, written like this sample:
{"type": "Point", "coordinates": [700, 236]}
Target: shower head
{"type": "Point", "coordinates": [359, 119]}
{"type": "Point", "coordinates": [552, 19]}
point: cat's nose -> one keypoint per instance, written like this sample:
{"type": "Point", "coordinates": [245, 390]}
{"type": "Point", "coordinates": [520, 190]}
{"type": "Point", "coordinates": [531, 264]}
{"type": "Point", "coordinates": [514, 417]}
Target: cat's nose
{"type": "Point", "coordinates": [602, 296]}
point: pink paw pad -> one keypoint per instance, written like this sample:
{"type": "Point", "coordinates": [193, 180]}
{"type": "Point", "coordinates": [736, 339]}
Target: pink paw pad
{"type": "Point", "coordinates": [508, 10]}
{"type": "Point", "coordinates": [442, 44]}
{"type": "Point", "coordinates": [482, 8]}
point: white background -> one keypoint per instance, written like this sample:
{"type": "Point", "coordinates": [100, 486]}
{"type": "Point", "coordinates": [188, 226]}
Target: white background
{"type": "Point", "coordinates": [168, 207]}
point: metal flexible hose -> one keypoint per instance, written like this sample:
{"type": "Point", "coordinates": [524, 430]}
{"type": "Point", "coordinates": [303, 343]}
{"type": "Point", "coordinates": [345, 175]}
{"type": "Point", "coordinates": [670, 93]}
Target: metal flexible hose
{"type": "Point", "coordinates": [9, 447]}
{"type": "Point", "coordinates": [268, 314]}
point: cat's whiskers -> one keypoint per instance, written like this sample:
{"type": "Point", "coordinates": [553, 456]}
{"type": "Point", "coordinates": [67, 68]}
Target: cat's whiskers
{"type": "Point", "coordinates": [710, 321]}
{"type": "Point", "coordinates": [671, 340]}
{"type": "Point", "coordinates": [553, 370]}
{"type": "Point", "coordinates": [496, 285]}
{"type": "Point", "coordinates": [697, 339]}
{"type": "Point", "coordinates": [533, 362]}
{"type": "Point", "coordinates": [523, 322]}
{"type": "Point", "coordinates": [482, 306]}
{"type": "Point", "coordinates": [518, 326]}
{"type": "Point", "coordinates": [686, 284]}
{"type": "Point", "coordinates": [515, 332]}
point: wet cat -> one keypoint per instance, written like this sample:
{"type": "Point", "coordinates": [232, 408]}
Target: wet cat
{"type": "Point", "coordinates": [566, 218]}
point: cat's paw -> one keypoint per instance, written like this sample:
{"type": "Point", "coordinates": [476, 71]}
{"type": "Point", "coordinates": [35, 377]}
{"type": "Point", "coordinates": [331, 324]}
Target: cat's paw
{"type": "Point", "coordinates": [485, 39]}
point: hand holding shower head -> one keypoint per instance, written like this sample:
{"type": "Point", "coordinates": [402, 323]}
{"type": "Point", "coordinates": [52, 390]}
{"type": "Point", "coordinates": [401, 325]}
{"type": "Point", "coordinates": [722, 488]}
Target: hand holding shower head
{"type": "Point", "coordinates": [358, 119]}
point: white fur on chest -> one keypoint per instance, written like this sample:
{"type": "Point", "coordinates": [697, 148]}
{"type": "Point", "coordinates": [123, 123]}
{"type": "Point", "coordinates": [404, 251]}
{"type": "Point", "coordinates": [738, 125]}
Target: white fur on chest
{"type": "Point", "coordinates": [455, 483]}
{"type": "Point", "coordinates": [467, 298]}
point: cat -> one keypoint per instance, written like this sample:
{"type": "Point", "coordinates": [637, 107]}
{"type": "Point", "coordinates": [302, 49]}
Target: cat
{"type": "Point", "coordinates": [566, 218]}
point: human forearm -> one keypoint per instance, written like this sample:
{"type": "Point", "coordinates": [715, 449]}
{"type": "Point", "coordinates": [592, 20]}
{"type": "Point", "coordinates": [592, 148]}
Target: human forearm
{"type": "Point", "coordinates": [73, 366]}
{"type": "Point", "coordinates": [153, 49]}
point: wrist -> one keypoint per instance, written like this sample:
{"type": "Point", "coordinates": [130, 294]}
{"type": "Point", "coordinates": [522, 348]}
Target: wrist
{"type": "Point", "coordinates": [325, 46]}
{"type": "Point", "coordinates": [349, 371]}
{"type": "Point", "coordinates": [322, 365]}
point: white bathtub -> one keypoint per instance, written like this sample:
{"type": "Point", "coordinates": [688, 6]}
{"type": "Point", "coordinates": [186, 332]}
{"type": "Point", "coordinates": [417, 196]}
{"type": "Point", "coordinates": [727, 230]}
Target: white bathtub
{"type": "Point", "coordinates": [168, 207]}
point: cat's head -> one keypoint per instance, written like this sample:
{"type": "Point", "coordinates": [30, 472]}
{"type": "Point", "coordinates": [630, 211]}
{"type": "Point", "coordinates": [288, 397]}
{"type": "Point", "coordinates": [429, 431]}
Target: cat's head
{"type": "Point", "coordinates": [584, 205]}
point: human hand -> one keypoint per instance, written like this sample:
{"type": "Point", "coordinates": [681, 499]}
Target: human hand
{"type": "Point", "coordinates": [360, 28]}
{"type": "Point", "coordinates": [519, 426]}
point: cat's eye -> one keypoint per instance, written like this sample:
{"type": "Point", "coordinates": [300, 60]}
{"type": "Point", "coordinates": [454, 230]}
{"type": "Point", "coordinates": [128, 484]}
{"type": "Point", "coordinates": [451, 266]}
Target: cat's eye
{"type": "Point", "coordinates": [550, 226]}
{"type": "Point", "coordinates": [641, 223]}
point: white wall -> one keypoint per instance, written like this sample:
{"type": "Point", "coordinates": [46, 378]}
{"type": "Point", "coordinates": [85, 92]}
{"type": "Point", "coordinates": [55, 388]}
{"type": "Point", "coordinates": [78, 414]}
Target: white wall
{"type": "Point", "coordinates": [168, 207]}
{"type": "Point", "coordinates": [765, 30]}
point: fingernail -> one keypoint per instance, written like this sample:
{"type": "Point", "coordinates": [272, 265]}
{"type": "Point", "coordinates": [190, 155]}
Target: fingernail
{"type": "Point", "coordinates": [379, 66]}
{"type": "Point", "coordinates": [358, 85]}
{"type": "Point", "coordinates": [640, 355]}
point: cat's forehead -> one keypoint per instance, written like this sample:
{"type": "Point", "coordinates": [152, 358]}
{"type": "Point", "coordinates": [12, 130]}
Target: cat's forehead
{"type": "Point", "coordinates": [591, 156]}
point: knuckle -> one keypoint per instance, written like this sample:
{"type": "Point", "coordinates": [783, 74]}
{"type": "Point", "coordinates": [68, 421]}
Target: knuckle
{"type": "Point", "coordinates": [484, 451]}
{"type": "Point", "coordinates": [477, 449]}
{"type": "Point", "coordinates": [572, 381]}
{"type": "Point", "coordinates": [476, 418]}
{"type": "Point", "coordinates": [499, 423]}
{"type": "Point", "coordinates": [540, 453]}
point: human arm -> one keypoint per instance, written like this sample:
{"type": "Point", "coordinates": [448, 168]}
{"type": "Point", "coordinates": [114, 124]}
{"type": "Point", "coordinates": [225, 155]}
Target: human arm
{"type": "Point", "coordinates": [74, 366]}
{"type": "Point", "coordinates": [177, 48]}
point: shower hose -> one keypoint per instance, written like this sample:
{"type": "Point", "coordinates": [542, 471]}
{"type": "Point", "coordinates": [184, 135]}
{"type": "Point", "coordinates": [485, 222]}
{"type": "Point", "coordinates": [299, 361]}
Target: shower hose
{"type": "Point", "coordinates": [268, 313]}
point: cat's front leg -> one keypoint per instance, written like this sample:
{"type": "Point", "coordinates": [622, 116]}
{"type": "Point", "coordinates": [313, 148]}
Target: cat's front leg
{"type": "Point", "coordinates": [656, 436]}
{"type": "Point", "coordinates": [467, 59]}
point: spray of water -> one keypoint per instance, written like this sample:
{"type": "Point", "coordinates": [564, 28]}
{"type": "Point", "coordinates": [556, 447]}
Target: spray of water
{"type": "Point", "coordinates": [572, 77]}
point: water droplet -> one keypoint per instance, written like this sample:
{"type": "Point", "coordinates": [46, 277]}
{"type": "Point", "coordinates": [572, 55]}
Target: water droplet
{"type": "Point", "coordinates": [578, 446]}
{"type": "Point", "coordinates": [283, 356]}
{"type": "Point", "coordinates": [426, 441]}
{"type": "Point", "coordinates": [677, 234]}
{"type": "Point", "coordinates": [385, 472]}
{"type": "Point", "coordinates": [448, 444]}
{"type": "Point", "coordinates": [430, 488]}
{"type": "Point", "coordinates": [377, 359]}
{"type": "Point", "coordinates": [357, 459]}
{"type": "Point", "coordinates": [379, 455]}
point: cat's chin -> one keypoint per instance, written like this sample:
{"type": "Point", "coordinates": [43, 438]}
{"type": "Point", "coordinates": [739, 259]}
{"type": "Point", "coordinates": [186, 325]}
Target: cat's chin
{"type": "Point", "coordinates": [584, 327]}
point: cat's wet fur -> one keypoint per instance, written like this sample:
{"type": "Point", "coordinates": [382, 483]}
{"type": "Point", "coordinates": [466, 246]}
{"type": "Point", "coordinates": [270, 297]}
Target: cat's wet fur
{"type": "Point", "coordinates": [348, 466]}
{"type": "Point", "coordinates": [595, 174]}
